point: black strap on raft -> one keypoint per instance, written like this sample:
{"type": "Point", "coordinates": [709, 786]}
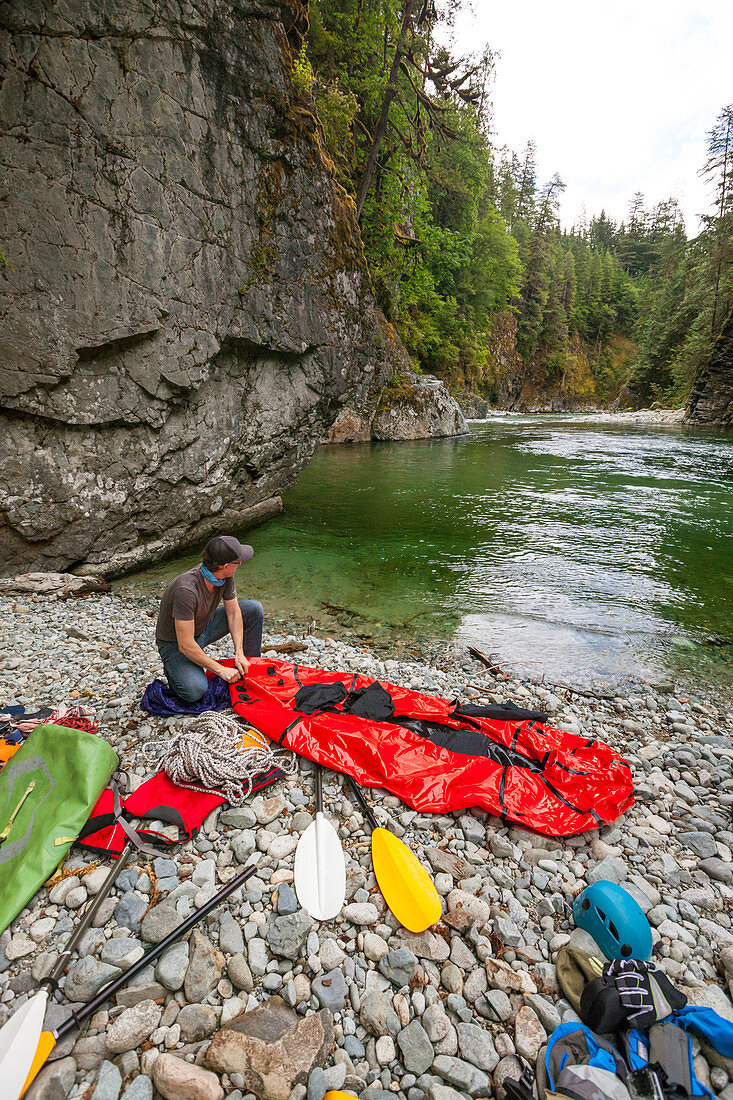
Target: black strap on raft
{"type": "Point", "coordinates": [570, 771]}
{"type": "Point", "coordinates": [287, 729]}
{"type": "Point", "coordinates": [502, 784]}
{"type": "Point", "coordinates": [373, 702]}
{"type": "Point", "coordinates": [587, 742]}
{"type": "Point", "coordinates": [499, 712]}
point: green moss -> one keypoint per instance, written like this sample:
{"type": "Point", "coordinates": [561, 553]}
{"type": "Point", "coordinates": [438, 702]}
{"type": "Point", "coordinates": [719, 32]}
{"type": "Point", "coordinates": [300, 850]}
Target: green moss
{"type": "Point", "coordinates": [398, 387]}
{"type": "Point", "coordinates": [124, 58]}
{"type": "Point", "coordinates": [337, 110]}
{"type": "Point", "coordinates": [265, 253]}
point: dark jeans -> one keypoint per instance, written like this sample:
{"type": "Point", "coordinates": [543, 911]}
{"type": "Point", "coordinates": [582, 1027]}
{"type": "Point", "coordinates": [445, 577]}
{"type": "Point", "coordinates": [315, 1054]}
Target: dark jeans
{"type": "Point", "coordinates": [187, 679]}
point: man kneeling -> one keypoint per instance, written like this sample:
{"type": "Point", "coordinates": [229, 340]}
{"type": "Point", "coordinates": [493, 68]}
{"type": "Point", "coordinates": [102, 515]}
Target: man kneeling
{"type": "Point", "coordinates": [189, 619]}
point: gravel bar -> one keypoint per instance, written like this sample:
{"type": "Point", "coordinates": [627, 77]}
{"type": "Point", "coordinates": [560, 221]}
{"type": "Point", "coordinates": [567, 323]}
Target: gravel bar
{"type": "Point", "coordinates": [449, 1013]}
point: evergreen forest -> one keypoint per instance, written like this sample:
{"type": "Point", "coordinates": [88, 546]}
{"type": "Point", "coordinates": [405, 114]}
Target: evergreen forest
{"type": "Point", "coordinates": [463, 240]}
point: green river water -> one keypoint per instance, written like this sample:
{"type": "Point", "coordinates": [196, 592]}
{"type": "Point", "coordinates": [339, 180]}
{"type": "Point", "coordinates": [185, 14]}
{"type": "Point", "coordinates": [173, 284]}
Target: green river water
{"type": "Point", "coordinates": [575, 548]}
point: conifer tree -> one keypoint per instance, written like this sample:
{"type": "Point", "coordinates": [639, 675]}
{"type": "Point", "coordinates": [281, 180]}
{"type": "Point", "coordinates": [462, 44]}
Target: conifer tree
{"type": "Point", "coordinates": [719, 169]}
{"type": "Point", "coordinates": [456, 233]}
{"type": "Point", "coordinates": [568, 286]}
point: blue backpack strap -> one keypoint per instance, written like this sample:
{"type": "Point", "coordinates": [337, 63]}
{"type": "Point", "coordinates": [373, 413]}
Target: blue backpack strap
{"type": "Point", "coordinates": [636, 1048]}
{"type": "Point", "coordinates": [706, 1022]}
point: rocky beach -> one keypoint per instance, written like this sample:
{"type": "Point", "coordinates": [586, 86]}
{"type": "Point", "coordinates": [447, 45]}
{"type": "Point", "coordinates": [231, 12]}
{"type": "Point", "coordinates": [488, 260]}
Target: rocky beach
{"type": "Point", "coordinates": [263, 1001]}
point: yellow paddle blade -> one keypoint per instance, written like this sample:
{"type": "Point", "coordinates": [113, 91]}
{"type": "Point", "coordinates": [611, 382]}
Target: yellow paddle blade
{"type": "Point", "coordinates": [333, 1094]}
{"type": "Point", "coordinates": [407, 887]}
{"type": "Point", "coordinates": [46, 1043]}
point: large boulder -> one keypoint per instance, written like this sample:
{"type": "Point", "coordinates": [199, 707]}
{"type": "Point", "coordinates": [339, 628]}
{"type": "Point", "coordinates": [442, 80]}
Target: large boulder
{"type": "Point", "coordinates": [184, 298]}
{"type": "Point", "coordinates": [272, 1048]}
{"type": "Point", "coordinates": [474, 407]}
{"type": "Point", "coordinates": [418, 406]}
{"type": "Point", "coordinates": [411, 406]}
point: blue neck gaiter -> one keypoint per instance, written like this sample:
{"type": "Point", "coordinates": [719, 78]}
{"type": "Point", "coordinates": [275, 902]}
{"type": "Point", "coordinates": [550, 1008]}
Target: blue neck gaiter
{"type": "Point", "coordinates": [209, 576]}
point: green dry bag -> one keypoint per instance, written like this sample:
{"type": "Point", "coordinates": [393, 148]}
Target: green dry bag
{"type": "Point", "coordinates": [47, 791]}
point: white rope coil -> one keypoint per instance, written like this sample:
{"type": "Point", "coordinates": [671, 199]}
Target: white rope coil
{"type": "Point", "coordinates": [208, 756]}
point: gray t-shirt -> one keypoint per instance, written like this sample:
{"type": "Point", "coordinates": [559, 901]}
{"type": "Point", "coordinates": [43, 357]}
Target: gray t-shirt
{"type": "Point", "coordinates": [186, 598]}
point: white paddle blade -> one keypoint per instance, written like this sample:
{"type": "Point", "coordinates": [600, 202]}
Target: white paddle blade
{"type": "Point", "coordinates": [19, 1042]}
{"type": "Point", "coordinates": [320, 870]}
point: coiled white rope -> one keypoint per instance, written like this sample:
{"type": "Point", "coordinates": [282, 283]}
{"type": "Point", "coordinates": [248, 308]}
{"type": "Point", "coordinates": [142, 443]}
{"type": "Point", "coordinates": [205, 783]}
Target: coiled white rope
{"type": "Point", "coordinates": [208, 756]}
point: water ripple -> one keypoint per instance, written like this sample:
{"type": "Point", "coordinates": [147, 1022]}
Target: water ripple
{"type": "Point", "coordinates": [574, 547]}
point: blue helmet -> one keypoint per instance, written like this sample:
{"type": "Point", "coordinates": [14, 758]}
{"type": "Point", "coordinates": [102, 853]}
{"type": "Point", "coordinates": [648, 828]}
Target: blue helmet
{"type": "Point", "coordinates": [615, 921]}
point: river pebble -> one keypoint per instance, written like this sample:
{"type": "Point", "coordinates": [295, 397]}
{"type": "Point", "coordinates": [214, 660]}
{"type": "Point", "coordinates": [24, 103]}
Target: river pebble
{"type": "Point", "coordinates": [443, 1014]}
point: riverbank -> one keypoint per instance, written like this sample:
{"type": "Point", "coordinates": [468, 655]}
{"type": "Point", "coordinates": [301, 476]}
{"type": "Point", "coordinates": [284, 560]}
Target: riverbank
{"type": "Point", "coordinates": [604, 416]}
{"type": "Point", "coordinates": [408, 1014]}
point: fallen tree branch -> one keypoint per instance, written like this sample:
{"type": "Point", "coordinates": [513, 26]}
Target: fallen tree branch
{"type": "Point", "coordinates": [481, 657]}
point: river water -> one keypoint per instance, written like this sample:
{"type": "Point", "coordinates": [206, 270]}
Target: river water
{"type": "Point", "coordinates": [575, 548]}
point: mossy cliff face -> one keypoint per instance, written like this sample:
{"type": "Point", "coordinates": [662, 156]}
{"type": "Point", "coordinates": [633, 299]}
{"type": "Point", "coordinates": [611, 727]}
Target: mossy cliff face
{"type": "Point", "coordinates": [417, 407]}
{"type": "Point", "coordinates": [409, 406]}
{"type": "Point", "coordinates": [579, 379]}
{"type": "Point", "coordinates": [185, 306]}
{"type": "Point", "coordinates": [711, 400]}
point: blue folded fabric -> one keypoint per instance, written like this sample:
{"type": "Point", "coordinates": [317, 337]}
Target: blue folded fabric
{"type": "Point", "coordinates": [707, 1022]}
{"type": "Point", "coordinates": [159, 700]}
{"type": "Point", "coordinates": [12, 736]}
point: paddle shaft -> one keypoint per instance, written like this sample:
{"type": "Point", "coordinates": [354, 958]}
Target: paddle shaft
{"type": "Point", "coordinates": [363, 803]}
{"type": "Point", "coordinates": [319, 789]}
{"type": "Point", "coordinates": [77, 1018]}
{"type": "Point", "coordinates": [89, 915]}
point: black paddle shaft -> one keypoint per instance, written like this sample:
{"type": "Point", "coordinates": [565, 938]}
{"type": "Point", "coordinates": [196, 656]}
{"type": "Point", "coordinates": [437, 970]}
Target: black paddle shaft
{"type": "Point", "coordinates": [77, 1018]}
{"type": "Point", "coordinates": [319, 789]}
{"type": "Point", "coordinates": [89, 915]}
{"type": "Point", "coordinates": [364, 804]}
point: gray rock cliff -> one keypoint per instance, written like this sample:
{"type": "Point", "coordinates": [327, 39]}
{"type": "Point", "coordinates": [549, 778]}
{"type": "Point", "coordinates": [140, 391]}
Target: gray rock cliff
{"type": "Point", "coordinates": [711, 399]}
{"type": "Point", "coordinates": [184, 306]}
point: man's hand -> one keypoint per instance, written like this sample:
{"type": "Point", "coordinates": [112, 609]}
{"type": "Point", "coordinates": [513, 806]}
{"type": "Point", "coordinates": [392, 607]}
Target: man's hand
{"type": "Point", "coordinates": [241, 663]}
{"type": "Point", "coordinates": [229, 675]}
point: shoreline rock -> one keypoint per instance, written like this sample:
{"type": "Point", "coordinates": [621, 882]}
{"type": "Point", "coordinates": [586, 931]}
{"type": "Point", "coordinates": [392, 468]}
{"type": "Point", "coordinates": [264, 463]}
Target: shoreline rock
{"type": "Point", "coordinates": [711, 401]}
{"type": "Point", "coordinates": [411, 407]}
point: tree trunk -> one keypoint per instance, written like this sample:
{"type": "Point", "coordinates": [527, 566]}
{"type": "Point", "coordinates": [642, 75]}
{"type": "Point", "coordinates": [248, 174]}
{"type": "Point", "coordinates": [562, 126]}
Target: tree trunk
{"type": "Point", "coordinates": [390, 92]}
{"type": "Point", "coordinates": [721, 214]}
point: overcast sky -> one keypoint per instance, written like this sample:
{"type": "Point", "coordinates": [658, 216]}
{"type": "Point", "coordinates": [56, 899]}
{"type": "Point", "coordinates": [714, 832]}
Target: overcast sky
{"type": "Point", "coordinates": [618, 96]}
